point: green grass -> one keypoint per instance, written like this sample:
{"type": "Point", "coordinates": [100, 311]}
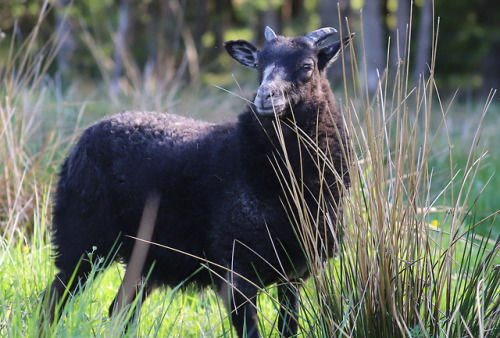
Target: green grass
{"type": "Point", "coordinates": [420, 254]}
{"type": "Point", "coordinates": [26, 270]}
{"type": "Point", "coordinates": [463, 124]}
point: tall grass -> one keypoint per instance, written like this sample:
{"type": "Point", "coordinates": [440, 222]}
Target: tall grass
{"type": "Point", "coordinates": [29, 141]}
{"type": "Point", "coordinates": [410, 263]}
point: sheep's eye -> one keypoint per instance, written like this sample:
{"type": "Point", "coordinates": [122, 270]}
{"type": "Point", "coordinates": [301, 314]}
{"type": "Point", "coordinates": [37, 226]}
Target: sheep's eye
{"type": "Point", "coordinates": [307, 66]}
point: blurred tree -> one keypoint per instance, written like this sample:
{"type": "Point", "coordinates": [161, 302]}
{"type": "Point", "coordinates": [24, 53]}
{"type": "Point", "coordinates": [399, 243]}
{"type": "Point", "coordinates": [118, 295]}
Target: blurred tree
{"type": "Point", "coordinates": [200, 22]}
{"type": "Point", "coordinates": [329, 16]}
{"type": "Point", "coordinates": [170, 40]}
{"type": "Point", "coordinates": [373, 42]}
{"type": "Point", "coordinates": [121, 35]}
{"type": "Point", "coordinates": [66, 35]}
{"type": "Point", "coordinates": [468, 31]}
{"type": "Point", "coordinates": [424, 41]}
{"type": "Point", "coordinates": [267, 15]}
{"type": "Point", "coordinates": [488, 15]}
{"type": "Point", "coordinates": [221, 19]}
{"type": "Point", "coordinates": [399, 33]}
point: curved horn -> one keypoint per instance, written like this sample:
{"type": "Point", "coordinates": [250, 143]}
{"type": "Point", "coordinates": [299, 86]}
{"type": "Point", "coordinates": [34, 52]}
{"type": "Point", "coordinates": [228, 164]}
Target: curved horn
{"type": "Point", "coordinates": [269, 33]}
{"type": "Point", "coordinates": [318, 36]}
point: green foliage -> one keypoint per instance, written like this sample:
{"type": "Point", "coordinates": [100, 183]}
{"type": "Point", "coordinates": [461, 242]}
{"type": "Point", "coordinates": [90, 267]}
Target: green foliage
{"type": "Point", "coordinates": [159, 32]}
{"type": "Point", "coordinates": [465, 43]}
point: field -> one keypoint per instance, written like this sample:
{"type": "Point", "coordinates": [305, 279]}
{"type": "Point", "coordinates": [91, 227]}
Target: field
{"type": "Point", "coordinates": [420, 254]}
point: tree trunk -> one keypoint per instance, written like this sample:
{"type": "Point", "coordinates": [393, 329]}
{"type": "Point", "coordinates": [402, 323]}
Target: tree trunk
{"type": "Point", "coordinates": [200, 24]}
{"type": "Point", "coordinates": [373, 43]}
{"type": "Point", "coordinates": [490, 69]}
{"type": "Point", "coordinates": [121, 35]}
{"type": "Point", "coordinates": [399, 37]}
{"type": "Point", "coordinates": [221, 20]}
{"type": "Point", "coordinates": [152, 29]}
{"type": "Point", "coordinates": [65, 34]}
{"type": "Point", "coordinates": [424, 41]}
{"type": "Point", "coordinates": [267, 17]}
{"type": "Point", "coordinates": [329, 15]}
{"type": "Point", "coordinates": [490, 65]}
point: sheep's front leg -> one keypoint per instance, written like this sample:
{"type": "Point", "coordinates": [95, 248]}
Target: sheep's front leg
{"type": "Point", "coordinates": [240, 301]}
{"type": "Point", "coordinates": [287, 297]}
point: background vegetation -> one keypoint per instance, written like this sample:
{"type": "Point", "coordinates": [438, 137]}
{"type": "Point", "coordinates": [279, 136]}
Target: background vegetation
{"type": "Point", "coordinates": [173, 39]}
{"type": "Point", "coordinates": [420, 256]}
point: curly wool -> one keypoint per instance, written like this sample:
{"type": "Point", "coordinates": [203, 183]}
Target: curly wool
{"type": "Point", "coordinates": [217, 182]}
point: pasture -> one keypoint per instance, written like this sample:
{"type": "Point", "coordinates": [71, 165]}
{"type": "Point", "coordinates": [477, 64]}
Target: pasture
{"type": "Point", "coordinates": [421, 238]}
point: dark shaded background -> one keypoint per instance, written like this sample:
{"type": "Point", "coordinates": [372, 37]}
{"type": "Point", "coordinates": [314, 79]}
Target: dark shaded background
{"type": "Point", "coordinates": [174, 41]}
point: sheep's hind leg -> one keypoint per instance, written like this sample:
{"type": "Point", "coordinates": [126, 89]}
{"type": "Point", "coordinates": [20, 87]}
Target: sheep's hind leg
{"type": "Point", "coordinates": [287, 297]}
{"type": "Point", "coordinates": [72, 274]}
{"type": "Point", "coordinates": [54, 298]}
{"type": "Point", "coordinates": [144, 289]}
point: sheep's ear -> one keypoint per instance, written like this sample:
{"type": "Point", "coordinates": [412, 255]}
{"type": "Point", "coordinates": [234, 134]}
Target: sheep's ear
{"type": "Point", "coordinates": [329, 54]}
{"type": "Point", "coordinates": [243, 52]}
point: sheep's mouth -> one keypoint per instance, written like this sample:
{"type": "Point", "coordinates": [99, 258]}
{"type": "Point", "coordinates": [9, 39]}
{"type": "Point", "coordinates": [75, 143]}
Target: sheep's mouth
{"type": "Point", "coordinates": [269, 106]}
{"type": "Point", "coordinates": [270, 111]}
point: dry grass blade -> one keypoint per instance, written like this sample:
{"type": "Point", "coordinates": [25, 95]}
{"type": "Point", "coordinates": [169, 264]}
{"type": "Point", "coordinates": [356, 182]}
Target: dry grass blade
{"type": "Point", "coordinates": [397, 275]}
{"type": "Point", "coordinates": [27, 151]}
{"type": "Point", "coordinates": [135, 266]}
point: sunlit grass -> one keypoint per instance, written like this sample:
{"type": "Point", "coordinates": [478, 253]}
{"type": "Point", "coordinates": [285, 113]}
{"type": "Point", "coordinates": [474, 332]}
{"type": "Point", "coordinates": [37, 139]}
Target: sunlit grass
{"type": "Point", "coordinates": [410, 262]}
{"type": "Point", "coordinates": [417, 256]}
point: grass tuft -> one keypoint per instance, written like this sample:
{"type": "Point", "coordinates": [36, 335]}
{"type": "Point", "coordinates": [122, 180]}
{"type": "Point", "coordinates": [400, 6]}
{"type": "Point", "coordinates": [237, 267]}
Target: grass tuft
{"type": "Point", "coordinates": [410, 262]}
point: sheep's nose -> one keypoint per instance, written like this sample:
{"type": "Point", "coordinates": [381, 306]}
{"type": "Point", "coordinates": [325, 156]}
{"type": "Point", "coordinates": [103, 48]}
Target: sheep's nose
{"type": "Point", "coordinates": [265, 94]}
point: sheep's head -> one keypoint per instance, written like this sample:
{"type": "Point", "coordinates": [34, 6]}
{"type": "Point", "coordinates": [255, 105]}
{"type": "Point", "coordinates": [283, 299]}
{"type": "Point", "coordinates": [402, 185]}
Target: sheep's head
{"type": "Point", "coordinates": [288, 67]}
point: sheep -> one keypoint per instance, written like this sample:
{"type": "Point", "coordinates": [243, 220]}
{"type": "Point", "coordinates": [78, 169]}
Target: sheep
{"type": "Point", "coordinates": [222, 205]}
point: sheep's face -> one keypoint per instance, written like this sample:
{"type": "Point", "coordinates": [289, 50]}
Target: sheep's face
{"type": "Point", "coordinates": [289, 68]}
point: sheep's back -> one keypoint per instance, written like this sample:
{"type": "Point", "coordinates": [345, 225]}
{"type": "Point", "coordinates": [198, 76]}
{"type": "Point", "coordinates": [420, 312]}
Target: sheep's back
{"type": "Point", "coordinates": [143, 149]}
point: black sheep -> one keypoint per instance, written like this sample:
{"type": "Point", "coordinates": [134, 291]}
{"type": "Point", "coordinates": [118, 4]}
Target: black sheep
{"type": "Point", "coordinates": [221, 199]}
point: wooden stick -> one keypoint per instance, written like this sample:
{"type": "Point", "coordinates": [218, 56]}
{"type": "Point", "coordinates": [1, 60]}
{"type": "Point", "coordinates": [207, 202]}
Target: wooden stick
{"type": "Point", "coordinates": [133, 274]}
